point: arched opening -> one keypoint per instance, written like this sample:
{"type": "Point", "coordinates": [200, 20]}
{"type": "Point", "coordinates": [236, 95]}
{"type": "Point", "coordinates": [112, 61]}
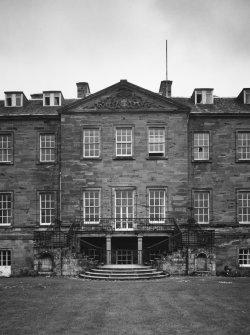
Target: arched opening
{"type": "Point", "coordinates": [201, 262]}
{"type": "Point", "coordinates": [46, 263]}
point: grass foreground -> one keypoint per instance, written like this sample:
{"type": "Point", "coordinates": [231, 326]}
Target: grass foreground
{"type": "Point", "coordinates": [175, 305]}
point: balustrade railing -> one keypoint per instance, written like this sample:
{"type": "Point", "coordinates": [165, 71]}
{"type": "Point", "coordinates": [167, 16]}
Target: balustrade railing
{"type": "Point", "coordinates": [124, 224]}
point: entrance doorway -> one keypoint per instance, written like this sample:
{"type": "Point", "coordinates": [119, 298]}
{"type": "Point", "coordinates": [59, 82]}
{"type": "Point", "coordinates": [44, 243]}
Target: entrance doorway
{"type": "Point", "coordinates": [124, 256]}
{"type": "Point", "coordinates": [201, 262]}
{"type": "Point", "coordinates": [124, 250]}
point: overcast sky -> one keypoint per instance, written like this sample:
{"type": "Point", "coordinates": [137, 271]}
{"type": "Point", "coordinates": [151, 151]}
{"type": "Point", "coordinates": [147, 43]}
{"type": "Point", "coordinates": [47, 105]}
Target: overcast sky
{"type": "Point", "coordinates": [52, 44]}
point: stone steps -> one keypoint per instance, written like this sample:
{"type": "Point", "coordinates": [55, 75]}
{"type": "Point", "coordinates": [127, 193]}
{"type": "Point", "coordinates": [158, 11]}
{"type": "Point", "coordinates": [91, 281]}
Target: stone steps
{"type": "Point", "coordinates": [123, 273]}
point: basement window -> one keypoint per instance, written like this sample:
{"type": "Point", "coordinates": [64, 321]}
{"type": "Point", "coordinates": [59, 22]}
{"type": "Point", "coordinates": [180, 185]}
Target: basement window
{"type": "Point", "coordinates": [244, 258]}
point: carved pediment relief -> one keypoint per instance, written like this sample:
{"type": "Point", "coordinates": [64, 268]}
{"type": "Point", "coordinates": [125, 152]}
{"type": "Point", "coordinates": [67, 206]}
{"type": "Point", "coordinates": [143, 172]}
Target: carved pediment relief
{"type": "Point", "coordinates": [123, 99]}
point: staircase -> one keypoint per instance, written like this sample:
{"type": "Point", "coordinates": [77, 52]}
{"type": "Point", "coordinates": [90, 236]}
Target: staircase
{"type": "Point", "coordinates": [123, 272]}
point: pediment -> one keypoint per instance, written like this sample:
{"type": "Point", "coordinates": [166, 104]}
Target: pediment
{"type": "Point", "coordinates": [124, 96]}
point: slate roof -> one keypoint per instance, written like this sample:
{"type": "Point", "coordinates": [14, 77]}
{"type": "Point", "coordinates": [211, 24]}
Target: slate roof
{"type": "Point", "coordinates": [220, 106]}
{"type": "Point", "coordinates": [32, 108]}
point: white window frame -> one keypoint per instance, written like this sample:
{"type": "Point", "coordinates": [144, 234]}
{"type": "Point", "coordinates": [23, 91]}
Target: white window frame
{"type": "Point", "coordinates": [91, 138]}
{"type": "Point", "coordinates": [201, 205]}
{"type": "Point", "coordinates": [52, 97]}
{"type": "Point", "coordinates": [47, 201]}
{"type": "Point", "coordinates": [15, 98]}
{"type": "Point", "coordinates": [201, 146]}
{"type": "Point", "coordinates": [244, 258]}
{"type": "Point", "coordinates": [124, 210]}
{"type": "Point", "coordinates": [206, 97]}
{"type": "Point", "coordinates": [6, 148]}
{"type": "Point", "coordinates": [243, 145]}
{"type": "Point", "coordinates": [5, 209]}
{"type": "Point", "coordinates": [243, 206]}
{"type": "Point", "coordinates": [47, 148]}
{"type": "Point", "coordinates": [156, 205]}
{"type": "Point", "coordinates": [156, 141]}
{"type": "Point", "coordinates": [91, 205]}
{"type": "Point", "coordinates": [124, 141]}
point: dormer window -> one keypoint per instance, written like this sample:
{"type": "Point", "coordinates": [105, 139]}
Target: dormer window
{"type": "Point", "coordinates": [52, 98]}
{"type": "Point", "coordinates": [13, 99]}
{"type": "Point", "coordinates": [203, 96]}
{"type": "Point", "coordinates": [247, 97]}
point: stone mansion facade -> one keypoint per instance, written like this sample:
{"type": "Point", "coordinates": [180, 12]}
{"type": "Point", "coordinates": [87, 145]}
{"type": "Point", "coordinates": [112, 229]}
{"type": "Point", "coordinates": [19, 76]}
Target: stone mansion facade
{"type": "Point", "coordinates": [124, 176]}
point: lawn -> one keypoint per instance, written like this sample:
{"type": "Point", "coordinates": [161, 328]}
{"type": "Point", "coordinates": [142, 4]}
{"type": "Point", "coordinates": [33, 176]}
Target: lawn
{"type": "Point", "coordinates": [181, 305]}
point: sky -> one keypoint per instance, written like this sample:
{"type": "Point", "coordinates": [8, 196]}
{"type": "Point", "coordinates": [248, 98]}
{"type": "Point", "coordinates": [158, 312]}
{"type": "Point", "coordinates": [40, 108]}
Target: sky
{"type": "Point", "coordinates": [53, 44]}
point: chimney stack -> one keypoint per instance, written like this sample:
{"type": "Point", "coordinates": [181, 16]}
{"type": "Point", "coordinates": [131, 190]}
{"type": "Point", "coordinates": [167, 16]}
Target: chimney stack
{"type": "Point", "coordinates": [82, 90]}
{"type": "Point", "coordinates": [165, 87]}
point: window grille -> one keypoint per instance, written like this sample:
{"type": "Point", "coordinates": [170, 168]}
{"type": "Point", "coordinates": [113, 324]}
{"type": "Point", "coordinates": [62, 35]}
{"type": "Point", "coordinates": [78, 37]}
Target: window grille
{"type": "Point", "coordinates": [5, 258]}
{"type": "Point", "coordinates": [244, 257]}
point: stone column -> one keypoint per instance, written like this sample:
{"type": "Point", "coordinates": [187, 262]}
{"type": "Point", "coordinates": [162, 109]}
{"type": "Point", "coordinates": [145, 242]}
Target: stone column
{"type": "Point", "coordinates": [108, 249]}
{"type": "Point", "coordinates": [139, 240]}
